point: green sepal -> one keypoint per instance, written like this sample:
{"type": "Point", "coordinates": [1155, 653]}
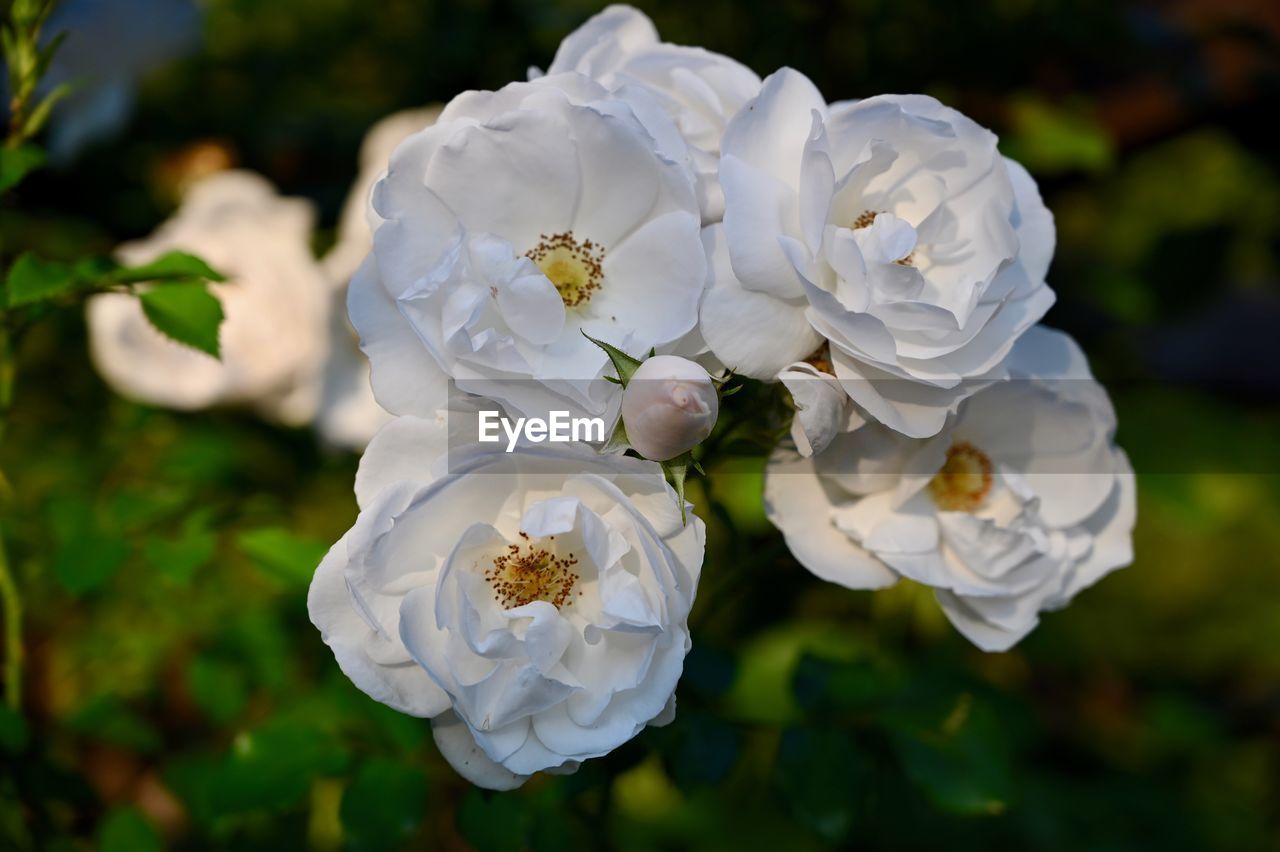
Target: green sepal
{"type": "Point", "coordinates": [622, 362]}
{"type": "Point", "coordinates": [618, 441]}
{"type": "Point", "coordinates": [675, 470]}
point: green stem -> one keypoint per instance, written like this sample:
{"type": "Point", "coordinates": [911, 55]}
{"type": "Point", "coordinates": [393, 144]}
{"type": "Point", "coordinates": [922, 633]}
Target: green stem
{"type": "Point", "coordinates": [10, 600]}
{"type": "Point", "coordinates": [12, 604]}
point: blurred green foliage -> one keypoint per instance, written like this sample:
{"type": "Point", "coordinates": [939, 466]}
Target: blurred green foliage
{"type": "Point", "coordinates": [178, 696]}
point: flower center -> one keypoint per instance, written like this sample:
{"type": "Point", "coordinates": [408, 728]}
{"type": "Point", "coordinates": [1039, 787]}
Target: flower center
{"type": "Point", "coordinates": [575, 268]}
{"type": "Point", "coordinates": [963, 483]}
{"type": "Point", "coordinates": [820, 360]}
{"type": "Point", "coordinates": [528, 572]}
{"type": "Point", "coordinates": [866, 219]}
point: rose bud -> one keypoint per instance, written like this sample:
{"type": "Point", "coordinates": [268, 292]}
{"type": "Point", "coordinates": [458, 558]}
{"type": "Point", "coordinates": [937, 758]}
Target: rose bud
{"type": "Point", "coordinates": [669, 407]}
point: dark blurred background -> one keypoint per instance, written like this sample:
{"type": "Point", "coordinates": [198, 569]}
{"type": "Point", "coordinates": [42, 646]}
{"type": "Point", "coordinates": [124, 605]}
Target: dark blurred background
{"type": "Point", "coordinates": [178, 696]}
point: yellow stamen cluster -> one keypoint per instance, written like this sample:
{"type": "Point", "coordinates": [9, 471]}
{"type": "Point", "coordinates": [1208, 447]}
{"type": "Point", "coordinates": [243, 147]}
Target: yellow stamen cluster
{"type": "Point", "coordinates": [865, 220]}
{"type": "Point", "coordinates": [964, 482]}
{"type": "Point", "coordinates": [820, 360]}
{"type": "Point", "coordinates": [575, 268]}
{"type": "Point", "coordinates": [527, 572]}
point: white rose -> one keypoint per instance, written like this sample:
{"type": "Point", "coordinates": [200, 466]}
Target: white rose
{"type": "Point", "coordinates": [274, 337]}
{"type": "Point", "coordinates": [669, 407]}
{"type": "Point", "coordinates": [349, 415]}
{"type": "Point", "coordinates": [891, 228]}
{"type": "Point", "coordinates": [1021, 502]}
{"type": "Point", "coordinates": [521, 219]}
{"type": "Point", "coordinates": [700, 90]}
{"type": "Point", "coordinates": [532, 604]}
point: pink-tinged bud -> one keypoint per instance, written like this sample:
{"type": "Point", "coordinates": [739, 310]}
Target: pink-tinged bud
{"type": "Point", "coordinates": [669, 407]}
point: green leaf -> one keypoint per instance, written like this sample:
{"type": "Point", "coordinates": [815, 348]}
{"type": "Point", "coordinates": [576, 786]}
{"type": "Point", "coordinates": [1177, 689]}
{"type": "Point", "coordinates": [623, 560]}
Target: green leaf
{"type": "Point", "coordinates": [87, 554]}
{"type": "Point", "coordinates": [282, 554]}
{"type": "Point", "coordinates": [173, 266]}
{"type": "Point", "coordinates": [219, 688]}
{"type": "Point", "coordinates": [31, 280]}
{"type": "Point", "coordinates": [618, 442]}
{"type": "Point", "coordinates": [187, 313]}
{"type": "Point", "coordinates": [106, 719]}
{"type": "Point", "coordinates": [622, 362]}
{"type": "Point", "coordinates": [495, 822]}
{"type": "Point", "coordinates": [962, 763]}
{"type": "Point", "coordinates": [44, 109]}
{"type": "Point", "coordinates": [13, 729]}
{"type": "Point", "coordinates": [384, 805]}
{"type": "Point", "coordinates": [825, 778]}
{"type": "Point", "coordinates": [126, 830]}
{"type": "Point", "coordinates": [181, 556]}
{"type": "Point", "coordinates": [17, 163]}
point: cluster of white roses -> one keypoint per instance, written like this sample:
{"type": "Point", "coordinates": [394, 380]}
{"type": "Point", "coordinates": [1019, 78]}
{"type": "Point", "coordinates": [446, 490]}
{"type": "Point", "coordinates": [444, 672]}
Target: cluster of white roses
{"type": "Point", "coordinates": [879, 258]}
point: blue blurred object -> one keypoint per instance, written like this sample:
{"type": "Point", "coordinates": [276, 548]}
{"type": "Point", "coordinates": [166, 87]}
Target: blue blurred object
{"type": "Point", "coordinates": [110, 46]}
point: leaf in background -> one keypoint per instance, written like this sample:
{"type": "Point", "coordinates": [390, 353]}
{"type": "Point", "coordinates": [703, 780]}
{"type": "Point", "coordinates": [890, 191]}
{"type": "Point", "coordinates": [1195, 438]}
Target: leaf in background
{"type": "Point", "coordinates": [384, 805]}
{"type": "Point", "coordinates": [218, 688]}
{"type": "Point", "coordinates": [13, 730]}
{"type": "Point", "coordinates": [187, 313]}
{"type": "Point", "coordinates": [17, 163]}
{"type": "Point", "coordinates": [180, 557]}
{"type": "Point", "coordinates": [273, 767]}
{"type": "Point", "coordinates": [172, 266]}
{"type": "Point", "coordinates": [38, 116]}
{"type": "Point", "coordinates": [1049, 138]}
{"type": "Point", "coordinates": [105, 718]}
{"type": "Point", "coordinates": [494, 822]}
{"type": "Point", "coordinates": [126, 830]}
{"type": "Point", "coordinates": [962, 763]}
{"type": "Point", "coordinates": [840, 686]}
{"type": "Point", "coordinates": [700, 749]}
{"type": "Point", "coordinates": [825, 778]}
{"type": "Point", "coordinates": [31, 280]}
{"type": "Point", "coordinates": [86, 556]}
{"type": "Point", "coordinates": [282, 554]}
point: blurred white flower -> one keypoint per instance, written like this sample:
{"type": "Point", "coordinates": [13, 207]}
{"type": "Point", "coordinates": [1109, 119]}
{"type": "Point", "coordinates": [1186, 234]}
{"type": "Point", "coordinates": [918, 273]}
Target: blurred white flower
{"type": "Point", "coordinates": [891, 228]}
{"type": "Point", "coordinates": [349, 415]}
{"type": "Point", "coordinates": [700, 90]}
{"type": "Point", "coordinates": [357, 221]}
{"type": "Point", "coordinates": [532, 604]}
{"type": "Point", "coordinates": [522, 218]}
{"type": "Point", "coordinates": [274, 338]}
{"type": "Point", "coordinates": [669, 407]}
{"type": "Point", "coordinates": [1021, 502]}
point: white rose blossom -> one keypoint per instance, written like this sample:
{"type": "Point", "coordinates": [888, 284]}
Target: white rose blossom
{"type": "Point", "coordinates": [1018, 504]}
{"type": "Point", "coordinates": [521, 219]}
{"type": "Point", "coordinates": [276, 304]}
{"type": "Point", "coordinates": [891, 229]}
{"type": "Point", "coordinates": [698, 89]}
{"type": "Point", "coordinates": [349, 415]}
{"type": "Point", "coordinates": [532, 604]}
{"type": "Point", "coordinates": [669, 407]}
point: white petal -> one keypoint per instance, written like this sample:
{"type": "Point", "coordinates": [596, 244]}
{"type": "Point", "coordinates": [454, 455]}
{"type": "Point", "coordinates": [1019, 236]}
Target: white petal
{"type": "Point", "coordinates": [405, 686]}
{"type": "Point", "coordinates": [753, 333]}
{"type": "Point", "coordinates": [798, 504]}
{"type": "Point", "coordinates": [404, 376]}
{"type": "Point", "coordinates": [459, 748]}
